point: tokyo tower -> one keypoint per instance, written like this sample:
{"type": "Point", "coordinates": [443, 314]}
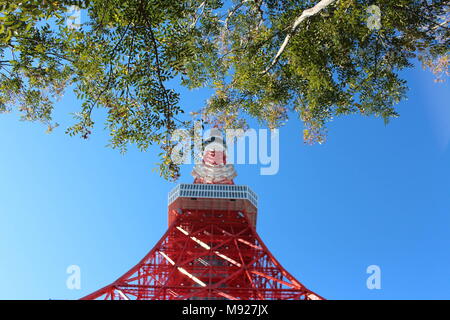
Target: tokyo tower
{"type": "Point", "coordinates": [211, 250]}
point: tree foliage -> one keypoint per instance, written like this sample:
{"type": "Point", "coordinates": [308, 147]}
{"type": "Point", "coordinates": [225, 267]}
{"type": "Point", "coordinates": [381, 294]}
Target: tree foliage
{"type": "Point", "coordinates": [267, 59]}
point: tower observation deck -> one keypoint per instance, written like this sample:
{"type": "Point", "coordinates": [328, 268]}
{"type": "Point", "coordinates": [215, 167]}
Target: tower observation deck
{"type": "Point", "coordinates": [211, 249]}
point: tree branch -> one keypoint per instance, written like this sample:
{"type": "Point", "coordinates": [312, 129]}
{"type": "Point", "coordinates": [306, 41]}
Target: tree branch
{"type": "Point", "coordinates": [258, 4]}
{"type": "Point", "coordinates": [197, 17]}
{"type": "Point", "coordinates": [167, 111]}
{"type": "Point", "coordinates": [441, 25]}
{"type": "Point", "coordinates": [233, 11]}
{"type": "Point", "coordinates": [305, 14]}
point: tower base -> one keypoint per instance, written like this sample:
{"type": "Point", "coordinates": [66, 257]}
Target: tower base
{"type": "Point", "coordinates": [208, 255]}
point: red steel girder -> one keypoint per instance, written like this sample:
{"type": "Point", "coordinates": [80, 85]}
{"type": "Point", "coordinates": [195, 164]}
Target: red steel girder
{"type": "Point", "coordinates": [207, 254]}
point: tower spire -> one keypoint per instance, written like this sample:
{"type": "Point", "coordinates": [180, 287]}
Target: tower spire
{"type": "Point", "coordinates": [214, 168]}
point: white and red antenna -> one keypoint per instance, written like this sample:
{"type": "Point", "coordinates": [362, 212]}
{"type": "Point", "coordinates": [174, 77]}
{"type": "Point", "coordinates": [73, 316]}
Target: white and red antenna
{"type": "Point", "coordinates": [214, 168]}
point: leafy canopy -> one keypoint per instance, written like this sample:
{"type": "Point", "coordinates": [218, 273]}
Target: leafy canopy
{"type": "Point", "coordinates": [267, 59]}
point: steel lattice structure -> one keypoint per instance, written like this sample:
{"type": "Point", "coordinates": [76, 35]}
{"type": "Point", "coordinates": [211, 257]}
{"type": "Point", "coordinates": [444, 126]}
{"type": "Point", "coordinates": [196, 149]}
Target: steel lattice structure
{"type": "Point", "coordinates": [211, 249]}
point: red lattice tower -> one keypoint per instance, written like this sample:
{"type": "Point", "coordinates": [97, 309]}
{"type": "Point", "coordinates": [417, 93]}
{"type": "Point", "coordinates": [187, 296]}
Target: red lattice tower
{"type": "Point", "coordinates": [211, 249]}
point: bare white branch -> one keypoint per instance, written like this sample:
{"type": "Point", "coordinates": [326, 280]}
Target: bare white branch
{"type": "Point", "coordinates": [305, 14]}
{"type": "Point", "coordinates": [233, 11]}
{"type": "Point", "coordinates": [197, 17]}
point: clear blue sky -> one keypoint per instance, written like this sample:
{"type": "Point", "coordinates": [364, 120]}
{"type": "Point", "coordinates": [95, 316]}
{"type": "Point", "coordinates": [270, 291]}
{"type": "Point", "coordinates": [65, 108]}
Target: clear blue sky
{"type": "Point", "coordinates": [371, 195]}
